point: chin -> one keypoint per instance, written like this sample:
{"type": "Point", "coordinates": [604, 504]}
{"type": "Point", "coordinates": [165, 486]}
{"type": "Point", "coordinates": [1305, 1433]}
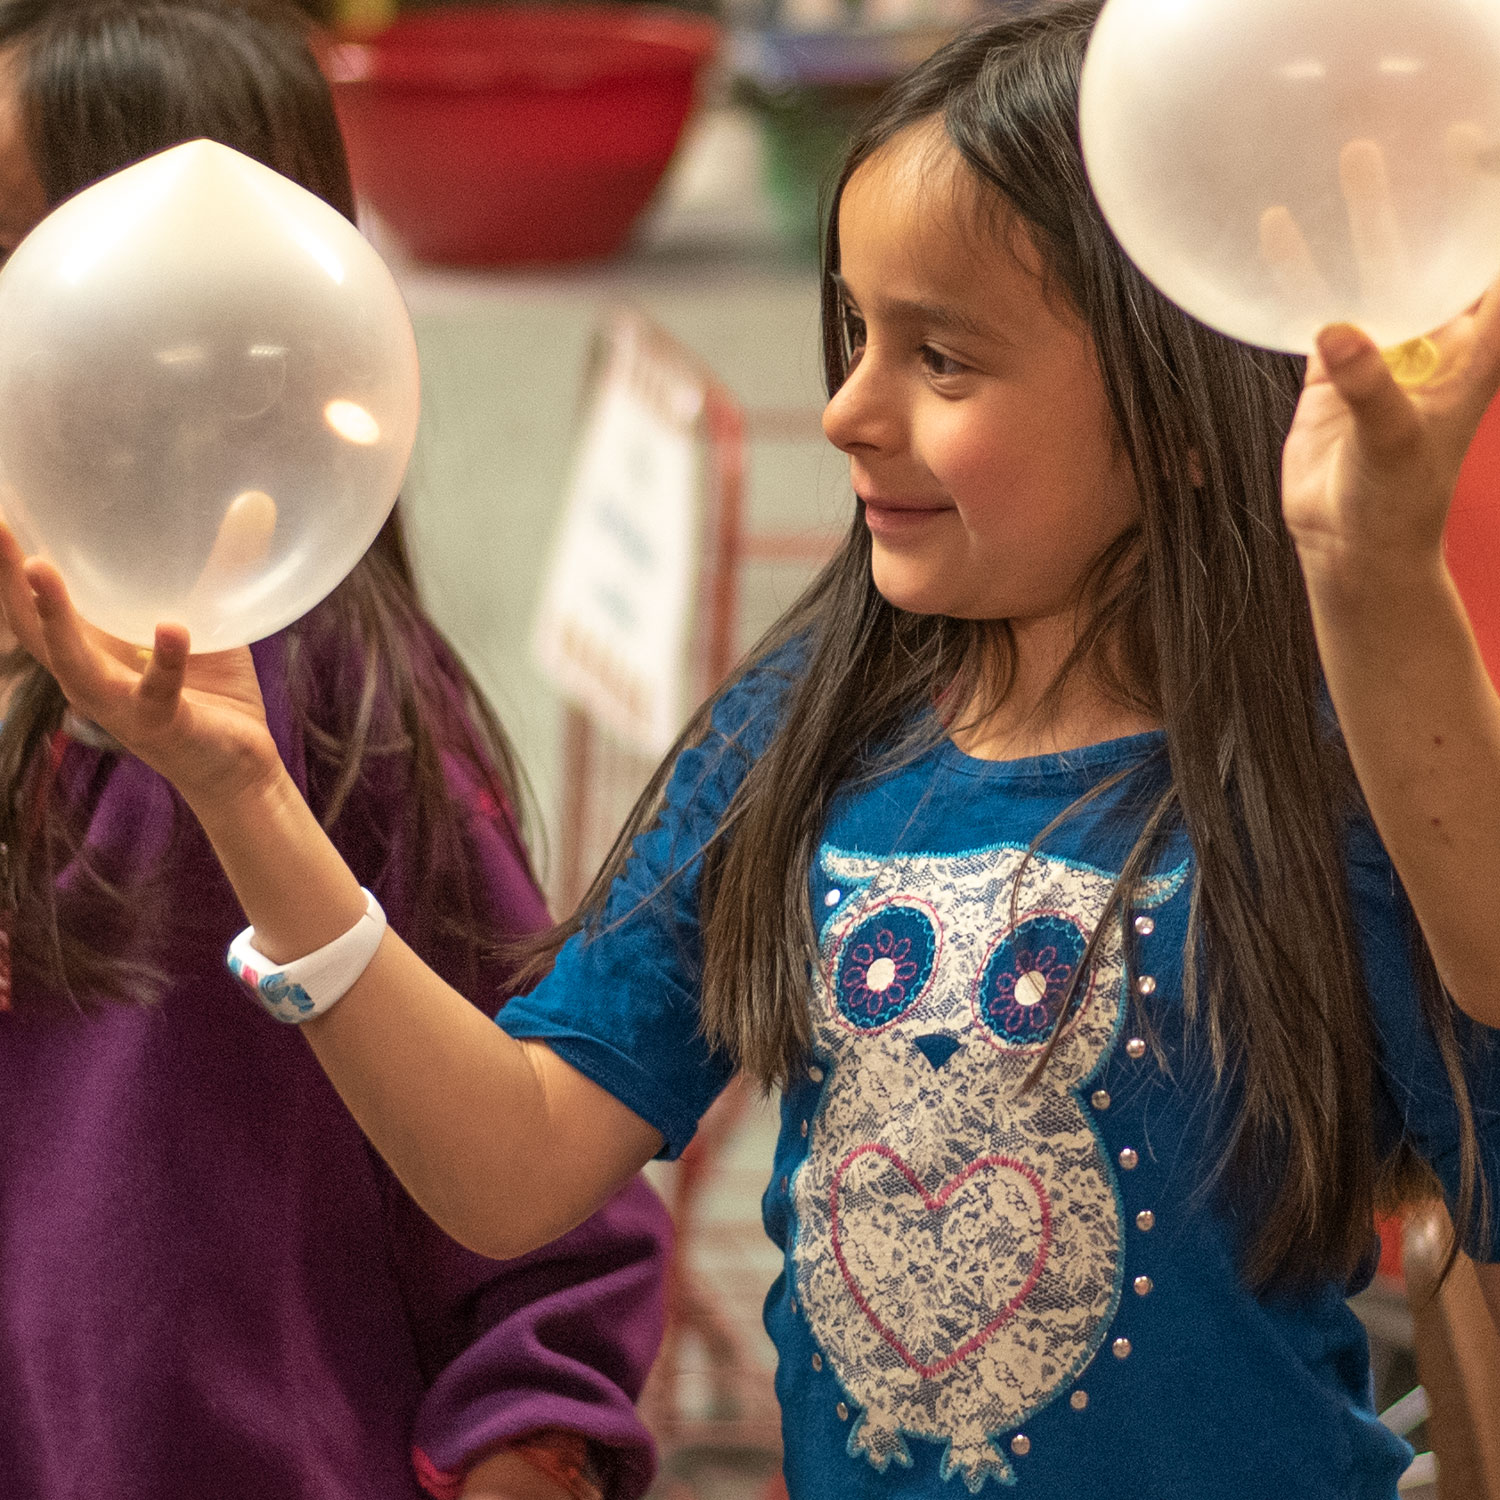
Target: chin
{"type": "Point", "coordinates": [918, 591]}
{"type": "Point", "coordinates": [917, 596]}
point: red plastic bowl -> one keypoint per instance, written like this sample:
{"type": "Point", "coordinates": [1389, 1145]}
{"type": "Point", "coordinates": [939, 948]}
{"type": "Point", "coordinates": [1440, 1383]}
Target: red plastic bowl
{"type": "Point", "coordinates": [520, 133]}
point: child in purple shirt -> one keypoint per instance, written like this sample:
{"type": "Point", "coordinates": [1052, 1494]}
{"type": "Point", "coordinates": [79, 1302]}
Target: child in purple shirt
{"type": "Point", "coordinates": [209, 1283]}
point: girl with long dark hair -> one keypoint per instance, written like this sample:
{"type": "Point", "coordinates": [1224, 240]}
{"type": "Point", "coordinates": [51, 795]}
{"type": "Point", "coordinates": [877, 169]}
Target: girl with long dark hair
{"type": "Point", "coordinates": [1102, 858]}
{"type": "Point", "coordinates": [211, 1285]}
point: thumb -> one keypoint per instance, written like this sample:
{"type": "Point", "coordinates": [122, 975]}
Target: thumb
{"type": "Point", "coordinates": [1355, 368]}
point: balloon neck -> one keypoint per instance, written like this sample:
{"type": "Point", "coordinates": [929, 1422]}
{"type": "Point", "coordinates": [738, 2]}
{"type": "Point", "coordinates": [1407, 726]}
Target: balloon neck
{"type": "Point", "coordinates": [1413, 363]}
{"type": "Point", "coordinates": [361, 17]}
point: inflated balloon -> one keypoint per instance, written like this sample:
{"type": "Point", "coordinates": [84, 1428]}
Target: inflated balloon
{"type": "Point", "coordinates": [208, 396]}
{"type": "Point", "coordinates": [1277, 165]}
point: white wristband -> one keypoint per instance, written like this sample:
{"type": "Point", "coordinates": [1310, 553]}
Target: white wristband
{"type": "Point", "coordinates": [308, 986]}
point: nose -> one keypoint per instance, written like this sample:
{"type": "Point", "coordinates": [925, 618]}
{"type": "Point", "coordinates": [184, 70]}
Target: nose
{"type": "Point", "coordinates": [861, 415]}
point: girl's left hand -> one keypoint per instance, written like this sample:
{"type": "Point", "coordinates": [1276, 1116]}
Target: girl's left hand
{"type": "Point", "coordinates": [1368, 469]}
{"type": "Point", "coordinates": [506, 1476]}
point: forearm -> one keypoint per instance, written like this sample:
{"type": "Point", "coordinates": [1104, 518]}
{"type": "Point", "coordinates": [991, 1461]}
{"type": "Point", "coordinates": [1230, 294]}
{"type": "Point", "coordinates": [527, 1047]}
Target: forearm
{"type": "Point", "coordinates": [1422, 723]}
{"type": "Point", "coordinates": [292, 882]}
{"type": "Point", "coordinates": [504, 1145]}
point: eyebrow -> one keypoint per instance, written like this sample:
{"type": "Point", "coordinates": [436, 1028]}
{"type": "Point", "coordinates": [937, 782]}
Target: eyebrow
{"type": "Point", "coordinates": [936, 313]}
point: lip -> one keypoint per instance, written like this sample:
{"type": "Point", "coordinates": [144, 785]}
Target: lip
{"type": "Point", "coordinates": [891, 517]}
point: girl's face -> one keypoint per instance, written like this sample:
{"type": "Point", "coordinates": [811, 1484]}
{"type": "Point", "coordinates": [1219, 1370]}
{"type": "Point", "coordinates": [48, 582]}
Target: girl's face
{"type": "Point", "coordinates": [976, 424]}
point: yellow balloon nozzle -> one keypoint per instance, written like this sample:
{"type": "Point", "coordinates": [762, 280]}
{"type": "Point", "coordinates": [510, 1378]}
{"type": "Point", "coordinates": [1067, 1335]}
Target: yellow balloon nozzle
{"type": "Point", "coordinates": [363, 17]}
{"type": "Point", "coordinates": [1413, 363]}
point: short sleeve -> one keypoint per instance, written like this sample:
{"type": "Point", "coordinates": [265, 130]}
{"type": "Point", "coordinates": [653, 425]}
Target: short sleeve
{"type": "Point", "coordinates": [1411, 1068]}
{"type": "Point", "coordinates": [622, 1001]}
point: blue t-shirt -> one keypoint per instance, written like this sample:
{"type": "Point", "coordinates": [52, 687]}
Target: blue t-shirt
{"type": "Point", "coordinates": [984, 1286]}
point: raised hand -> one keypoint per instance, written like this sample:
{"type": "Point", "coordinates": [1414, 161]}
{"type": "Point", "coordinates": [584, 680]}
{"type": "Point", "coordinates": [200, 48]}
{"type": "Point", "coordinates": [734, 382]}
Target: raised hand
{"type": "Point", "coordinates": [1367, 479]}
{"type": "Point", "coordinates": [198, 720]}
{"type": "Point", "coordinates": [1368, 470]}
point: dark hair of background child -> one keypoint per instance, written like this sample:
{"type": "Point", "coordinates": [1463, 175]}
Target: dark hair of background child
{"type": "Point", "coordinates": [104, 83]}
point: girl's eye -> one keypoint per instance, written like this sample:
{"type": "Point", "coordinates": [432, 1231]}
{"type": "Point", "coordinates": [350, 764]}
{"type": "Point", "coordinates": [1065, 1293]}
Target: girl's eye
{"type": "Point", "coordinates": [854, 333]}
{"type": "Point", "coordinates": [940, 364]}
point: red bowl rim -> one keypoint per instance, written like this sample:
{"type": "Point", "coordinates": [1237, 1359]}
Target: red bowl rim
{"type": "Point", "coordinates": [423, 50]}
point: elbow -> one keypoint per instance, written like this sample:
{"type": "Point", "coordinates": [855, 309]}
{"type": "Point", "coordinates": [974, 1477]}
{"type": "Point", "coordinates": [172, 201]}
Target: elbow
{"type": "Point", "coordinates": [506, 1235]}
{"type": "Point", "coordinates": [506, 1241]}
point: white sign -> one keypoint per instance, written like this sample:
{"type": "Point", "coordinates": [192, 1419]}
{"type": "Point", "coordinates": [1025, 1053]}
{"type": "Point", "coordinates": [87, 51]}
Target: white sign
{"type": "Point", "coordinates": [612, 630]}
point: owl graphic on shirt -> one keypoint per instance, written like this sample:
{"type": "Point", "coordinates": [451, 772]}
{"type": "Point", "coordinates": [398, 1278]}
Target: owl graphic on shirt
{"type": "Point", "coordinates": [959, 1248]}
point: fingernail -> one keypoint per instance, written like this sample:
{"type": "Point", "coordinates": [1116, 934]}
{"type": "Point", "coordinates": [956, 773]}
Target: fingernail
{"type": "Point", "coordinates": [1339, 343]}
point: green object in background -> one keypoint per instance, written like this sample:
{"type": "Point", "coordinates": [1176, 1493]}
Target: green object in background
{"type": "Point", "coordinates": [806, 132]}
{"type": "Point", "coordinates": [812, 89]}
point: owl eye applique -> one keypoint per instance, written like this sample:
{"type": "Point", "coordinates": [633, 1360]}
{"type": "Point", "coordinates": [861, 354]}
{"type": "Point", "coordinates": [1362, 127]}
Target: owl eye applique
{"type": "Point", "coordinates": [1021, 986]}
{"type": "Point", "coordinates": [883, 965]}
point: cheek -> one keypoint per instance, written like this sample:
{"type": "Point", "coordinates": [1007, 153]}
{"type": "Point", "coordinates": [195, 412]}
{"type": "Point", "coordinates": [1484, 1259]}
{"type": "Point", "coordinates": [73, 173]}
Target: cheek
{"type": "Point", "coordinates": [972, 460]}
{"type": "Point", "coordinates": [1060, 486]}
{"type": "Point", "coordinates": [1004, 462]}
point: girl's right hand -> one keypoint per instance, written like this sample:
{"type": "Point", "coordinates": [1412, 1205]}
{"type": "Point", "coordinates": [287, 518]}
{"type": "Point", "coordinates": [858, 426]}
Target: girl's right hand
{"type": "Point", "coordinates": [198, 720]}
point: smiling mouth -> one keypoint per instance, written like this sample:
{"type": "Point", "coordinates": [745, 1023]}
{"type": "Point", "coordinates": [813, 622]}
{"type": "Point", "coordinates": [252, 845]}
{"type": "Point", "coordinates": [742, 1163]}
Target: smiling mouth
{"type": "Point", "coordinates": [900, 522]}
{"type": "Point", "coordinates": [906, 507]}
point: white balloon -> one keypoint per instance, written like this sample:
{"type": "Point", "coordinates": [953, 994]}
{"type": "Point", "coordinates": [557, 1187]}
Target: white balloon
{"type": "Point", "coordinates": [1277, 165]}
{"type": "Point", "coordinates": [208, 396]}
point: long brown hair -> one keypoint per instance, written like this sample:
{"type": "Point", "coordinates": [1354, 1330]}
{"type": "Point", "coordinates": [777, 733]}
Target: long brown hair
{"type": "Point", "coordinates": [372, 685]}
{"type": "Point", "coordinates": [1199, 617]}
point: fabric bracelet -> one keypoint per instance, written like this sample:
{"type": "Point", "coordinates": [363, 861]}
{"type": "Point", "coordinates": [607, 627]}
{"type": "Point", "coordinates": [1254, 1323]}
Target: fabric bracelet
{"type": "Point", "coordinates": [308, 986]}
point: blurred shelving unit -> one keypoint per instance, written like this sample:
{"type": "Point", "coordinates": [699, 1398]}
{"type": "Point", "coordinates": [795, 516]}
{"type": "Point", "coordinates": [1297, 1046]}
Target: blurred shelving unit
{"type": "Point", "coordinates": [503, 363]}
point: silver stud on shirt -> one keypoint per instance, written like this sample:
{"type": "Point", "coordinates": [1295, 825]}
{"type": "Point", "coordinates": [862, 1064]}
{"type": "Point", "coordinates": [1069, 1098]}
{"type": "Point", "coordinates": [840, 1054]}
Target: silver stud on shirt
{"type": "Point", "coordinates": [816, 1074]}
{"type": "Point", "coordinates": [1130, 1158]}
{"type": "Point", "coordinates": [1145, 985]}
{"type": "Point", "coordinates": [817, 1361]}
{"type": "Point", "coordinates": [1121, 1348]}
{"type": "Point", "coordinates": [804, 1129]}
{"type": "Point", "coordinates": [1145, 925]}
{"type": "Point", "coordinates": [833, 898]}
{"type": "Point", "coordinates": [1100, 1099]}
{"type": "Point", "coordinates": [843, 1412]}
{"type": "Point", "coordinates": [1143, 1285]}
{"type": "Point", "coordinates": [1145, 1221]}
{"type": "Point", "coordinates": [1020, 1445]}
{"type": "Point", "coordinates": [1135, 1047]}
{"type": "Point", "coordinates": [1078, 1400]}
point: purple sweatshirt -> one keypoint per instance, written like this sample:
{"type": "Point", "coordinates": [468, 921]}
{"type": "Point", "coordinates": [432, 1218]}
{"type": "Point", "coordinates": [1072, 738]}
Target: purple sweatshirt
{"type": "Point", "coordinates": [211, 1286]}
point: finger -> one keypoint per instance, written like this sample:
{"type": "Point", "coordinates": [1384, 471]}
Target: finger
{"type": "Point", "coordinates": [87, 675]}
{"type": "Point", "coordinates": [1468, 154]}
{"type": "Point", "coordinates": [1378, 250]}
{"type": "Point", "coordinates": [160, 686]}
{"type": "Point", "coordinates": [1285, 254]}
{"type": "Point", "coordinates": [244, 538]}
{"type": "Point", "coordinates": [1384, 415]}
{"type": "Point", "coordinates": [1469, 350]}
{"type": "Point", "coordinates": [1485, 337]}
{"type": "Point", "coordinates": [16, 598]}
